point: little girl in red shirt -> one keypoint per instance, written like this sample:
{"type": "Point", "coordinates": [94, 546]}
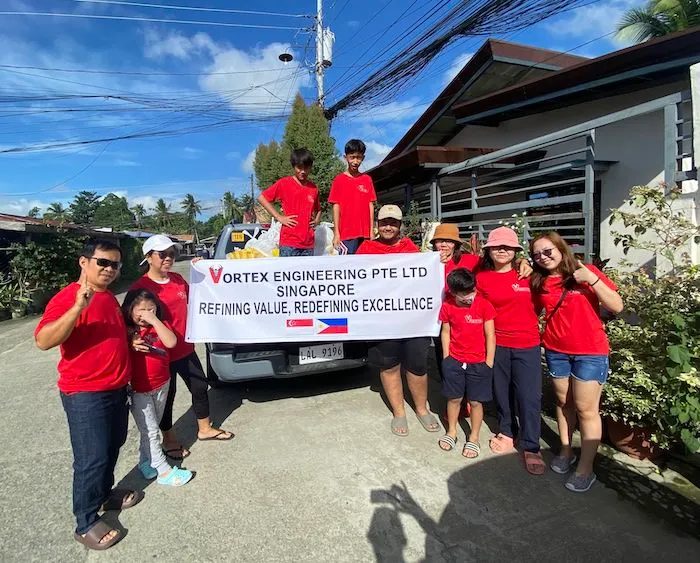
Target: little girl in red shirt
{"type": "Point", "coordinates": [150, 380]}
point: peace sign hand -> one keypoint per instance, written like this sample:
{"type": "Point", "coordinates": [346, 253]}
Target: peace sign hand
{"type": "Point", "coordinates": [583, 274]}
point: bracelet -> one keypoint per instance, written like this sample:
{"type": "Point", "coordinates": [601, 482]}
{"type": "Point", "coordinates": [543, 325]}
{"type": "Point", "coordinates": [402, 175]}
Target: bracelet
{"type": "Point", "coordinates": [595, 282]}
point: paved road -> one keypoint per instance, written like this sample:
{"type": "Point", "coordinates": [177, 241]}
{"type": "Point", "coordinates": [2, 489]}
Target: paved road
{"type": "Point", "coordinates": [312, 475]}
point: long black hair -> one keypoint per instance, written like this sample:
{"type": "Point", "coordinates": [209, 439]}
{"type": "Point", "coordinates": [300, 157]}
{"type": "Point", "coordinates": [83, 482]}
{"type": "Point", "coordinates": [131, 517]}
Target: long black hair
{"type": "Point", "coordinates": [133, 298]}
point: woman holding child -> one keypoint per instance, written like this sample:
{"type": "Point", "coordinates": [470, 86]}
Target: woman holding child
{"type": "Point", "coordinates": [576, 347]}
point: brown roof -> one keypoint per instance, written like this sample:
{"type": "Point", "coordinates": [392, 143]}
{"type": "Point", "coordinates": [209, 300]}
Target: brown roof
{"type": "Point", "coordinates": [635, 66]}
{"type": "Point", "coordinates": [496, 64]}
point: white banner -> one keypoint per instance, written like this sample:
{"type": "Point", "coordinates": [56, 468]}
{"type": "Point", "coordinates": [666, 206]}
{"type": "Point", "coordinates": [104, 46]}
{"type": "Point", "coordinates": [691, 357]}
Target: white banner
{"type": "Point", "coordinates": [319, 298]}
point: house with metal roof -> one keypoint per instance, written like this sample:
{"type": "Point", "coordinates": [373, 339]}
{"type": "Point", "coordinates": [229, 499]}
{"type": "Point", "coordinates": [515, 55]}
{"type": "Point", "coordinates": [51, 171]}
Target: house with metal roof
{"type": "Point", "coordinates": [559, 137]}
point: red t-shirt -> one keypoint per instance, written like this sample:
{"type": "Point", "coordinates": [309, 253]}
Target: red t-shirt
{"type": "Point", "coordinates": [95, 357]}
{"type": "Point", "coordinates": [468, 261]}
{"type": "Point", "coordinates": [575, 328]}
{"type": "Point", "coordinates": [173, 296]}
{"type": "Point", "coordinates": [467, 338]}
{"type": "Point", "coordinates": [377, 247]}
{"type": "Point", "coordinates": [353, 195]}
{"type": "Point", "coordinates": [516, 321]}
{"type": "Point", "coordinates": [298, 200]}
{"type": "Point", "coordinates": [150, 370]}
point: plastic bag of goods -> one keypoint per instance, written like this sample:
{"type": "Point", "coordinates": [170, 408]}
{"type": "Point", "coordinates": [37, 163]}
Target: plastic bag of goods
{"type": "Point", "coordinates": [323, 240]}
{"type": "Point", "coordinates": [268, 242]}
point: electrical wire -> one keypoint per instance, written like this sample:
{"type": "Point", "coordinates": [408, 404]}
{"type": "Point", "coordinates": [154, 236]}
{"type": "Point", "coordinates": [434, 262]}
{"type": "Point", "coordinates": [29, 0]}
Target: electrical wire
{"type": "Point", "coordinates": [192, 8]}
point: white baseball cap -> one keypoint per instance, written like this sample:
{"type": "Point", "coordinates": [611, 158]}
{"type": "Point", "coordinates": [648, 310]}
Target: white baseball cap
{"type": "Point", "coordinates": [157, 242]}
{"type": "Point", "coordinates": [390, 212]}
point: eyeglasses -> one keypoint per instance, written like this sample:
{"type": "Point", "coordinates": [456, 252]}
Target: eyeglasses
{"type": "Point", "coordinates": [104, 263]}
{"type": "Point", "coordinates": [165, 254]}
{"type": "Point", "coordinates": [545, 252]}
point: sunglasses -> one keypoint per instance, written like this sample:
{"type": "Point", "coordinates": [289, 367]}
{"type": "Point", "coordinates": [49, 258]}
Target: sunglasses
{"type": "Point", "coordinates": [165, 254]}
{"type": "Point", "coordinates": [546, 252]}
{"type": "Point", "coordinates": [503, 247]}
{"type": "Point", "coordinates": [104, 263]}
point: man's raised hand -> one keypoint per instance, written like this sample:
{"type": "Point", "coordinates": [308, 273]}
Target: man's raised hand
{"type": "Point", "coordinates": [84, 294]}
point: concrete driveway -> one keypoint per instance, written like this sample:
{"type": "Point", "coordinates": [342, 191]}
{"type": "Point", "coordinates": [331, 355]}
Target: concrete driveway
{"type": "Point", "coordinates": [312, 475]}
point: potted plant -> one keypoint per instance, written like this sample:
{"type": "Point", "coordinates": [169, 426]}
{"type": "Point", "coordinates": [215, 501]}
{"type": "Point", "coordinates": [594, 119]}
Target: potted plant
{"type": "Point", "coordinates": [651, 399]}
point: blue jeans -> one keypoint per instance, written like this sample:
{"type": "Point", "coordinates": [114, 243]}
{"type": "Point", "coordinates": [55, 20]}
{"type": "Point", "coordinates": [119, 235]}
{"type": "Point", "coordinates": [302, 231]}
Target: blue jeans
{"type": "Point", "coordinates": [352, 244]}
{"type": "Point", "coordinates": [584, 367]}
{"type": "Point", "coordinates": [97, 422]}
{"type": "Point", "coordinates": [289, 251]}
{"type": "Point", "coordinates": [517, 388]}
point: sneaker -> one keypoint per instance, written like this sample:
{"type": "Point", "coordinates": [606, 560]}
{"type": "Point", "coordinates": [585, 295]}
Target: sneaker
{"type": "Point", "coordinates": [562, 465]}
{"type": "Point", "coordinates": [147, 471]}
{"type": "Point", "coordinates": [580, 483]}
{"type": "Point", "coordinates": [176, 477]}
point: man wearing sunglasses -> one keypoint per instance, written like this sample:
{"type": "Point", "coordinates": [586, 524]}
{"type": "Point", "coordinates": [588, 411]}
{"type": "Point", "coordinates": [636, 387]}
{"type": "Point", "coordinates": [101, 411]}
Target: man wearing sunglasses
{"type": "Point", "coordinates": [85, 320]}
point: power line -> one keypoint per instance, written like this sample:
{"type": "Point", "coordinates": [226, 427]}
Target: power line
{"type": "Point", "coordinates": [192, 8]}
{"type": "Point", "coordinates": [140, 19]}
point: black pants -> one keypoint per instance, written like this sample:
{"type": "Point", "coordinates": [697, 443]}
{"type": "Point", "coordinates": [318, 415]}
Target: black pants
{"type": "Point", "coordinates": [192, 373]}
{"type": "Point", "coordinates": [517, 384]}
{"type": "Point", "coordinates": [97, 422]}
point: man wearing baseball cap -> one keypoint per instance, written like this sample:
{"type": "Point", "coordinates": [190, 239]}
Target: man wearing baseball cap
{"type": "Point", "coordinates": [411, 353]}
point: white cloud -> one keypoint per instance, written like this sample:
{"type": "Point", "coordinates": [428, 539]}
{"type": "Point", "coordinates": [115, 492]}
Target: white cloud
{"type": "Point", "coordinates": [247, 164]}
{"type": "Point", "coordinates": [20, 206]}
{"type": "Point", "coordinates": [125, 162]}
{"type": "Point", "coordinates": [190, 153]}
{"type": "Point", "coordinates": [592, 20]}
{"type": "Point", "coordinates": [375, 154]}
{"type": "Point", "coordinates": [457, 65]}
{"type": "Point", "coordinates": [176, 45]}
{"type": "Point", "coordinates": [233, 155]}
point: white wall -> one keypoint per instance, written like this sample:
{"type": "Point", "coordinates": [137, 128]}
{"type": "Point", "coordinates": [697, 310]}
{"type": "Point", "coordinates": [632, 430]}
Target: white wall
{"type": "Point", "coordinates": [636, 145]}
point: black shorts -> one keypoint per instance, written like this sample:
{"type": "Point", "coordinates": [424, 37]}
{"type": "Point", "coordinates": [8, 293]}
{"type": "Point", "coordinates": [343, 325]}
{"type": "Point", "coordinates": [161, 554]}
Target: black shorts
{"type": "Point", "coordinates": [411, 353]}
{"type": "Point", "coordinates": [473, 381]}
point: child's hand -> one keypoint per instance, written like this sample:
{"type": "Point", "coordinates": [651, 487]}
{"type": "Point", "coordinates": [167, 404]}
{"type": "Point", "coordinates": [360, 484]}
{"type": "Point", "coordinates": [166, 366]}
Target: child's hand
{"type": "Point", "coordinates": [149, 315]}
{"type": "Point", "coordinates": [138, 343]}
{"type": "Point", "coordinates": [289, 220]}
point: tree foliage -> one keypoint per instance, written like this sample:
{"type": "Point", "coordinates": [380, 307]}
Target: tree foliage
{"type": "Point", "coordinates": [114, 212]}
{"type": "Point", "coordinates": [659, 18]}
{"type": "Point", "coordinates": [83, 207]}
{"type": "Point", "coordinates": [56, 212]}
{"type": "Point", "coordinates": [191, 208]}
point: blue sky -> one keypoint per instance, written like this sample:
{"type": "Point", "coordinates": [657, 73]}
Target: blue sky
{"type": "Point", "coordinates": [156, 77]}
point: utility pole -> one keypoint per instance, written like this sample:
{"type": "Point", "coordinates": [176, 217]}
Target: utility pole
{"type": "Point", "coordinates": [319, 51]}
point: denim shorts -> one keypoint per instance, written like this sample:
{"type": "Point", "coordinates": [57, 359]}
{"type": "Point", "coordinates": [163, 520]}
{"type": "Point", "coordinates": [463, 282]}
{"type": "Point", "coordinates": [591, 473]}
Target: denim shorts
{"type": "Point", "coordinates": [583, 367]}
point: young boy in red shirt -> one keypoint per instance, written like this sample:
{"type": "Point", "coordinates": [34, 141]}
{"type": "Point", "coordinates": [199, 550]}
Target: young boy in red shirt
{"type": "Point", "coordinates": [469, 345]}
{"type": "Point", "coordinates": [301, 209]}
{"type": "Point", "coordinates": [352, 195]}
{"type": "Point", "coordinates": [85, 320]}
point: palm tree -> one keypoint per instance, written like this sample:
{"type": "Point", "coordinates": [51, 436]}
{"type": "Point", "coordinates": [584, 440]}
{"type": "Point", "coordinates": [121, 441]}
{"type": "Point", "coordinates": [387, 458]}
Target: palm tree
{"type": "Point", "coordinates": [658, 18]}
{"type": "Point", "coordinates": [139, 212]}
{"type": "Point", "coordinates": [247, 204]}
{"type": "Point", "coordinates": [33, 212]}
{"type": "Point", "coordinates": [56, 212]}
{"type": "Point", "coordinates": [232, 208]}
{"type": "Point", "coordinates": [162, 213]}
{"type": "Point", "coordinates": [191, 207]}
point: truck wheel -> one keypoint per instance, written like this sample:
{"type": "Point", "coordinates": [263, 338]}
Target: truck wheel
{"type": "Point", "coordinates": [212, 378]}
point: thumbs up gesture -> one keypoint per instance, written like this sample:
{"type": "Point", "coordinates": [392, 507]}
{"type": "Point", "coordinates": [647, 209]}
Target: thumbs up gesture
{"type": "Point", "coordinates": [583, 274]}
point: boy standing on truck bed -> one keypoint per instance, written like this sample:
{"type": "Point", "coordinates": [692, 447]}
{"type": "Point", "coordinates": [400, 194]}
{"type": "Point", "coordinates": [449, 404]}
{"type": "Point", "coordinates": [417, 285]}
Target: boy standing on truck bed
{"type": "Point", "coordinates": [301, 209]}
{"type": "Point", "coordinates": [352, 195]}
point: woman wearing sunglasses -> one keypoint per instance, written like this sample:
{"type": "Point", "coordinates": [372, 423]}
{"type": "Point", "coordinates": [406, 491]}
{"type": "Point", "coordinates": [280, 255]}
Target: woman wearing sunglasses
{"type": "Point", "coordinates": [576, 347]}
{"type": "Point", "coordinates": [517, 369]}
{"type": "Point", "coordinates": [172, 290]}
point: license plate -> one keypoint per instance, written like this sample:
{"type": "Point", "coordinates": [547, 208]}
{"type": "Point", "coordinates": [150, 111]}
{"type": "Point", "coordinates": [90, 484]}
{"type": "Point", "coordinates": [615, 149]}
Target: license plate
{"type": "Point", "coordinates": [237, 237]}
{"type": "Point", "coordinates": [321, 353]}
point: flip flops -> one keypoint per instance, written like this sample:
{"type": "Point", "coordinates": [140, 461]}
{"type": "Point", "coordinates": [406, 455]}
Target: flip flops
{"type": "Point", "coordinates": [471, 450]}
{"type": "Point", "coordinates": [217, 438]}
{"type": "Point", "coordinates": [92, 539]}
{"type": "Point", "coordinates": [427, 419]}
{"type": "Point", "coordinates": [399, 422]}
{"type": "Point", "coordinates": [448, 441]}
{"type": "Point", "coordinates": [117, 499]}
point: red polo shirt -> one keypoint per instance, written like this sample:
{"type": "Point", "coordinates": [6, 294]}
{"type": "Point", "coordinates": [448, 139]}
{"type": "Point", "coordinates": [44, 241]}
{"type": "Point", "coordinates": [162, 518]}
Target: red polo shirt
{"type": "Point", "coordinates": [298, 200]}
{"type": "Point", "coordinates": [467, 338]}
{"type": "Point", "coordinates": [376, 247]}
{"type": "Point", "coordinates": [353, 194]}
{"type": "Point", "coordinates": [95, 357]}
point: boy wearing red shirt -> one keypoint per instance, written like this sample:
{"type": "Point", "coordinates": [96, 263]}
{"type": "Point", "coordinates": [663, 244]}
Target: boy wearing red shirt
{"type": "Point", "coordinates": [469, 345]}
{"type": "Point", "coordinates": [352, 195]}
{"type": "Point", "coordinates": [84, 319]}
{"type": "Point", "coordinates": [301, 209]}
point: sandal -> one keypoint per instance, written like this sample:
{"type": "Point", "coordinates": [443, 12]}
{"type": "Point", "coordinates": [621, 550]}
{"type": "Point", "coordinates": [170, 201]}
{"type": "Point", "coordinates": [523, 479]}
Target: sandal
{"type": "Point", "coordinates": [534, 463]}
{"type": "Point", "coordinates": [427, 420]}
{"type": "Point", "coordinates": [471, 450]}
{"type": "Point", "coordinates": [94, 536]}
{"type": "Point", "coordinates": [448, 441]}
{"type": "Point", "coordinates": [117, 499]}
{"type": "Point", "coordinates": [217, 436]}
{"type": "Point", "coordinates": [176, 477]}
{"type": "Point", "coordinates": [501, 443]}
{"type": "Point", "coordinates": [399, 422]}
{"type": "Point", "coordinates": [178, 454]}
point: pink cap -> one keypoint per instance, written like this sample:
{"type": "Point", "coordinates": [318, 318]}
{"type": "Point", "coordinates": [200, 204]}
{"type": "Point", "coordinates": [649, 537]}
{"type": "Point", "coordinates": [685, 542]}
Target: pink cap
{"type": "Point", "coordinates": [503, 236]}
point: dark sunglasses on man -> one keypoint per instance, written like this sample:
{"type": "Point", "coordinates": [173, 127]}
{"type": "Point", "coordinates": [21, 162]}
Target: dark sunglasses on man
{"type": "Point", "coordinates": [104, 263]}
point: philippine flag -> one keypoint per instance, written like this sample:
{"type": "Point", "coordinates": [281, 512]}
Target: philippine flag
{"type": "Point", "coordinates": [332, 326]}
